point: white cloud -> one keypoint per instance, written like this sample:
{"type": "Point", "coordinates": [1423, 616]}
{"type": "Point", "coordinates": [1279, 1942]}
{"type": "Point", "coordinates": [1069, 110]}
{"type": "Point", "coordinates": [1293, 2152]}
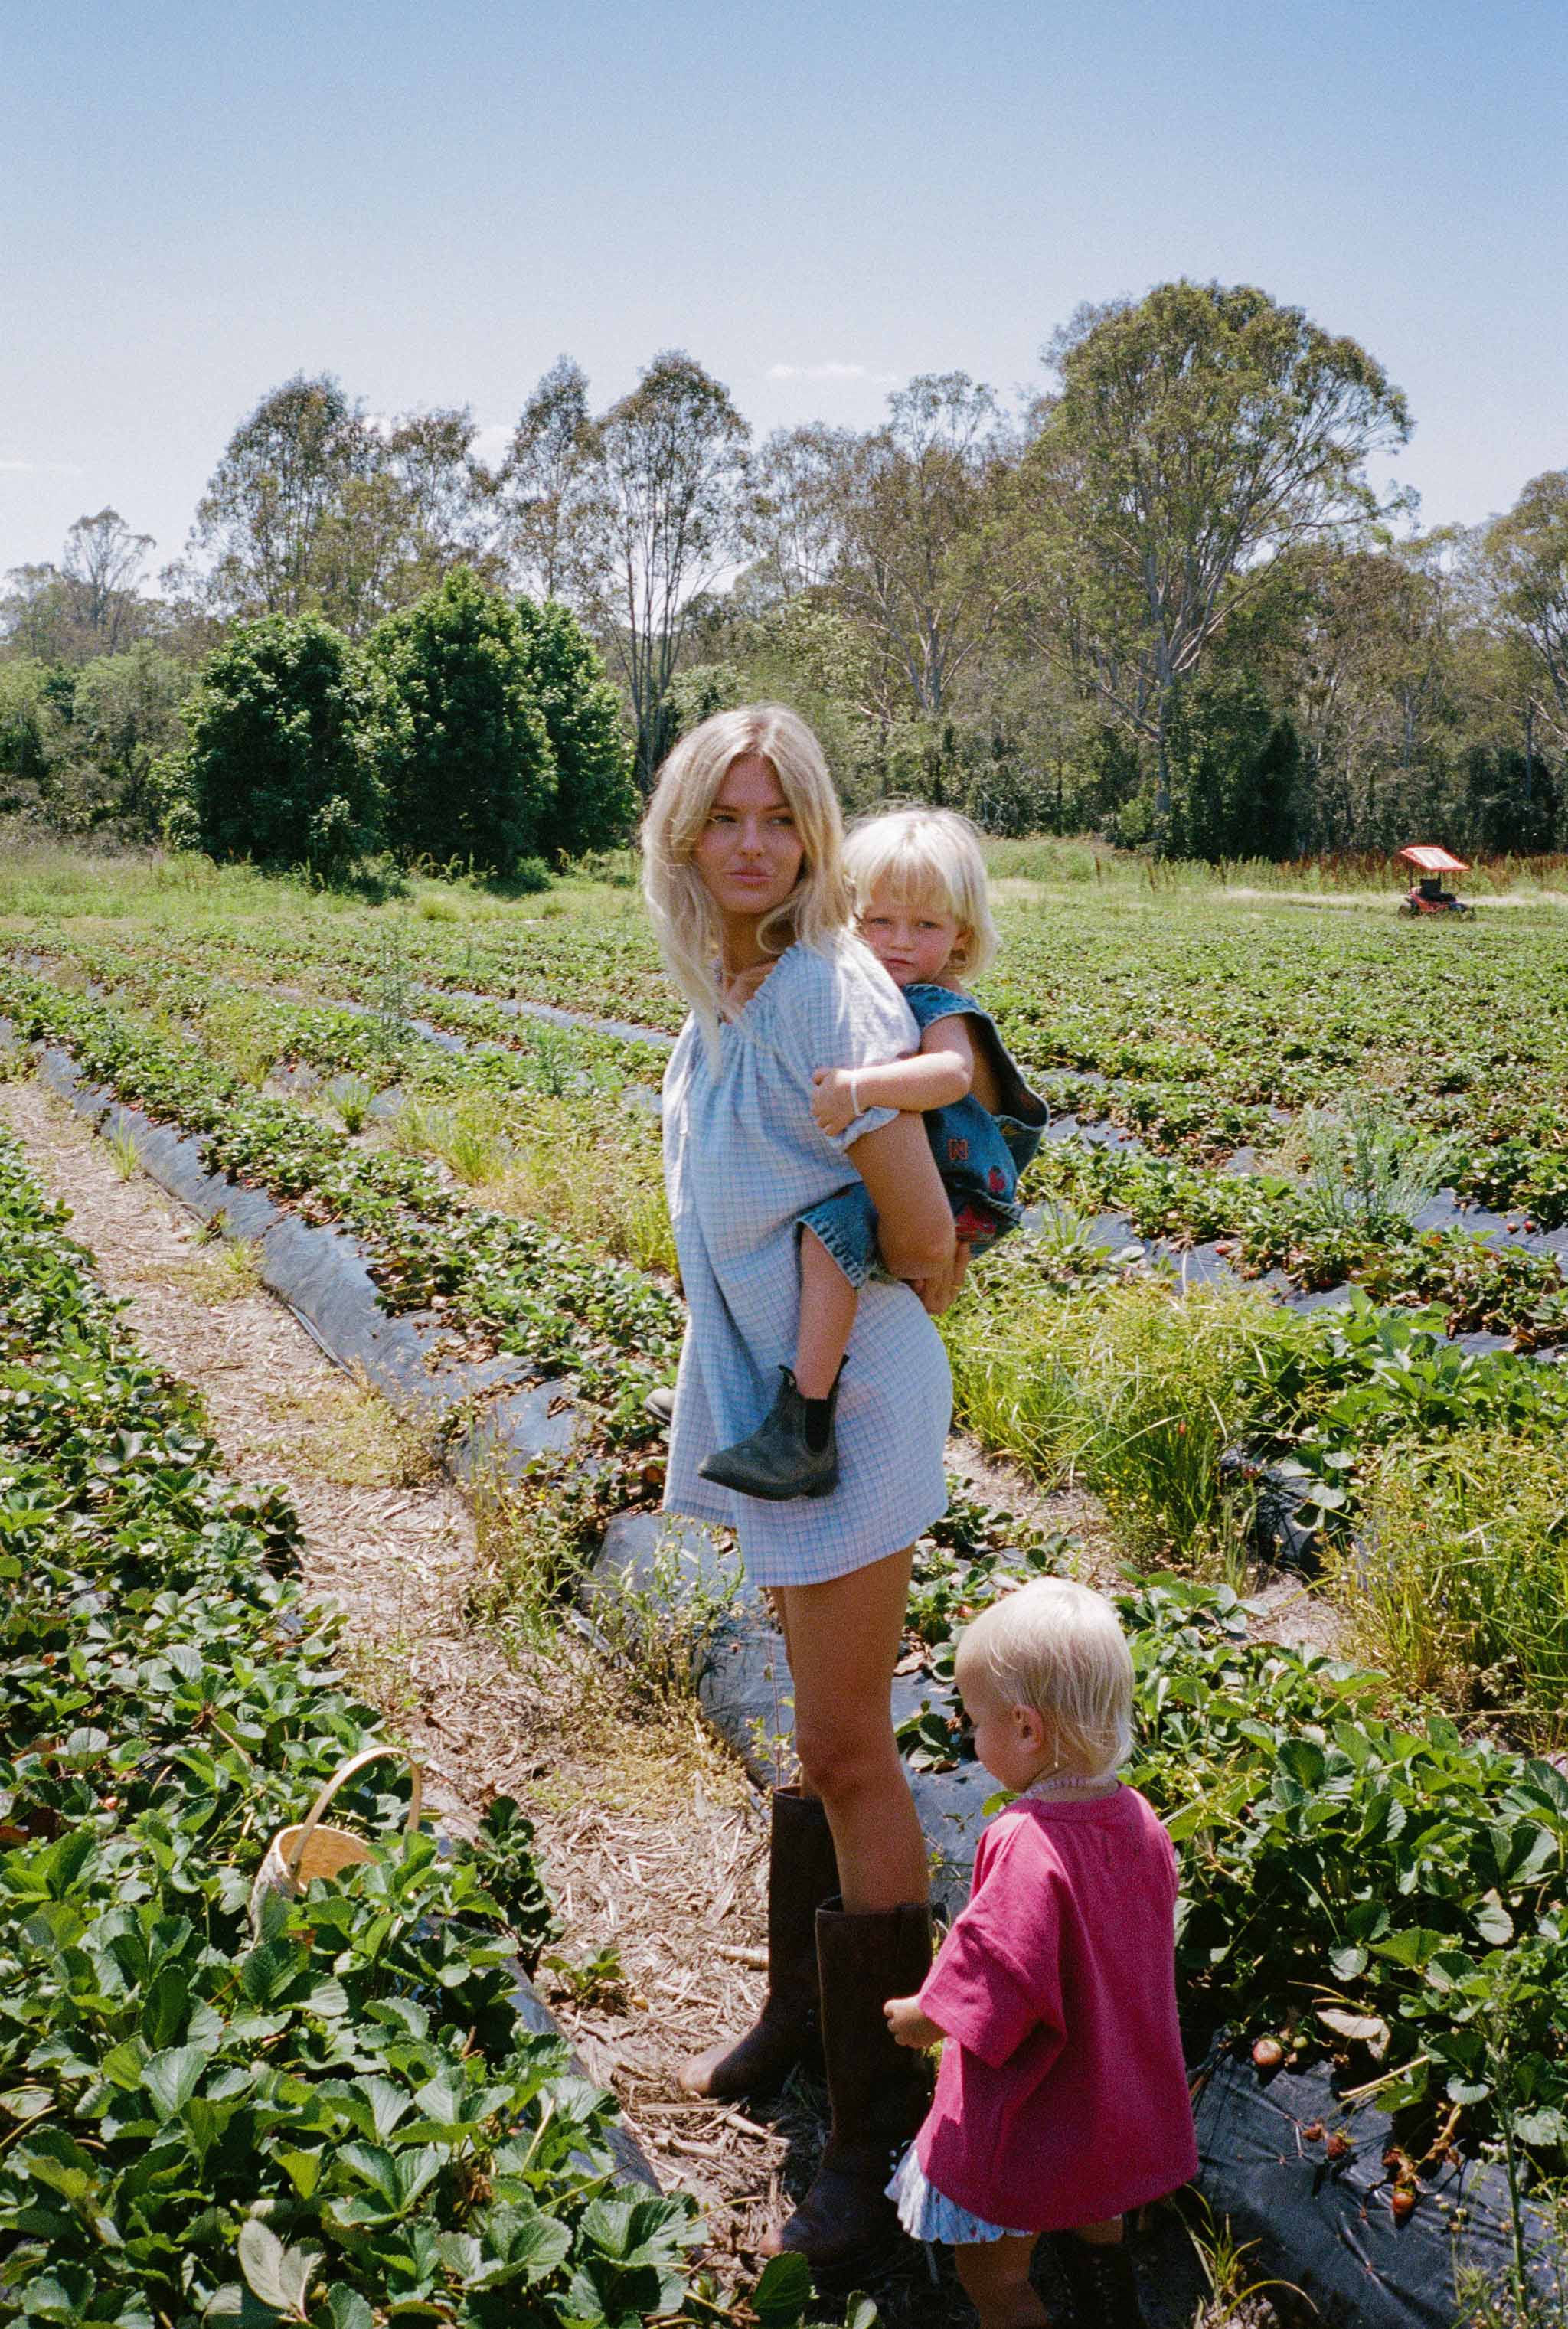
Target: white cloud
{"type": "Point", "coordinates": [42, 468]}
{"type": "Point", "coordinates": [834, 370]}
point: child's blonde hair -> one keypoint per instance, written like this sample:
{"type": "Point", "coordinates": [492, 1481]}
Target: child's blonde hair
{"type": "Point", "coordinates": [1059, 1648]}
{"type": "Point", "coordinates": [686, 920]}
{"type": "Point", "coordinates": [930, 858]}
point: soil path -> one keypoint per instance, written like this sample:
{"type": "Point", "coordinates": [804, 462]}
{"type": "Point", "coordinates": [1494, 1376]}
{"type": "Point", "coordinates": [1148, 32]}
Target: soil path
{"type": "Point", "coordinates": [651, 1841]}
{"type": "Point", "coordinates": [651, 1836]}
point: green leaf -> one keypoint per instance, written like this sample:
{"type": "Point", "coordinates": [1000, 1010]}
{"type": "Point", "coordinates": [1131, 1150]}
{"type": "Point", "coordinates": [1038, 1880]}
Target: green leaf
{"type": "Point", "coordinates": [171, 2078]}
{"type": "Point", "coordinates": [1493, 1923]}
{"type": "Point", "coordinates": [165, 2007]}
{"type": "Point", "coordinates": [279, 2276]}
{"type": "Point", "coordinates": [347, 2309]}
{"type": "Point", "coordinates": [783, 2292]}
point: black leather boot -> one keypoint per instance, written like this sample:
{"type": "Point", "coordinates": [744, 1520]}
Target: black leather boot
{"type": "Point", "coordinates": [878, 2090]}
{"type": "Point", "coordinates": [778, 1460]}
{"type": "Point", "coordinates": [802, 1873]}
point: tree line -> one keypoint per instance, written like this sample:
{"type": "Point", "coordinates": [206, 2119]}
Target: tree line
{"type": "Point", "coordinates": [1164, 600]}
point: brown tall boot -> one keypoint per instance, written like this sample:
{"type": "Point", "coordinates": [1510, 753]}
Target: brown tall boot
{"type": "Point", "coordinates": [802, 1872]}
{"type": "Point", "coordinates": [878, 2090]}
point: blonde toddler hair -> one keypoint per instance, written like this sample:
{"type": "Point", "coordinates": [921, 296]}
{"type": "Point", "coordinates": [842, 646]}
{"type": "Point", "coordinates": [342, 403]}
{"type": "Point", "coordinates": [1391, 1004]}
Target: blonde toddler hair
{"type": "Point", "coordinates": [1059, 1648]}
{"type": "Point", "coordinates": [819, 908]}
{"type": "Point", "coordinates": [929, 859]}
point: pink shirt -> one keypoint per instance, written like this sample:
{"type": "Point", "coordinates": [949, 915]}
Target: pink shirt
{"type": "Point", "coordinates": [1062, 2096]}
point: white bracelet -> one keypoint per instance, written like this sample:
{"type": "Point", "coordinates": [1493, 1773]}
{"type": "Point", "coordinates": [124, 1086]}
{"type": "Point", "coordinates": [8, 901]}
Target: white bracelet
{"type": "Point", "coordinates": [853, 1096]}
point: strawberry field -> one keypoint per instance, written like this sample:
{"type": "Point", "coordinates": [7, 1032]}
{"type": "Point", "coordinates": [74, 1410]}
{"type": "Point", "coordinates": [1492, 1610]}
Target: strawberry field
{"type": "Point", "coordinates": [1297, 1251]}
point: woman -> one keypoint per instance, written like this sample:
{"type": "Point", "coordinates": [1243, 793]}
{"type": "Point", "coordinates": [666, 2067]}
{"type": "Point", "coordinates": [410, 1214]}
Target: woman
{"type": "Point", "coordinates": [745, 880]}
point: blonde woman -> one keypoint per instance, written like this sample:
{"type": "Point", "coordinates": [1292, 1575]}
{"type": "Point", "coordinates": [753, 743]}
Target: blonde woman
{"type": "Point", "coordinates": [744, 878]}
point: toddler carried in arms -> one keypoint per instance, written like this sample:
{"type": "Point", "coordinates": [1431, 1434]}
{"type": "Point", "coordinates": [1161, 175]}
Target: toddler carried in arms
{"type": "Point", "coordinates": [919, 887]}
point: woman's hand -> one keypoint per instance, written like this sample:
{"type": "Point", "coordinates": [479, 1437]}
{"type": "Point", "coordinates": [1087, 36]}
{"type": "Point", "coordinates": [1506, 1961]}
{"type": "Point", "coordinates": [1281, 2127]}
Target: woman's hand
{"type": "Point", "coordinates": [938, 1291]}
{"type": "Point", "coordinates": [914, 1219]}
{"type": "Point", "coordinates": [907, 2025]}
{"type": "Point", "coordinates": [833, 1100]}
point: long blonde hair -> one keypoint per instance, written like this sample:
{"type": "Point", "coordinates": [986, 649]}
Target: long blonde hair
{"type": "Point", "coordinates": [818, 909]}
{"type": "Point", "coordinates": [929, 860]}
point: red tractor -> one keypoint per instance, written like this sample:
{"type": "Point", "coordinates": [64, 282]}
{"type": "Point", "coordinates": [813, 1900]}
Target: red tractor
{"type": "Point", "coordinates": [1427, 895]}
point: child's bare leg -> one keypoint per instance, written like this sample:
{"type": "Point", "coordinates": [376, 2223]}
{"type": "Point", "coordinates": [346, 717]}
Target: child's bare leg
{"type": "Point", "coordinates": [828, 1306]}
{"type": "Point", "coordinates": [996, 2278]}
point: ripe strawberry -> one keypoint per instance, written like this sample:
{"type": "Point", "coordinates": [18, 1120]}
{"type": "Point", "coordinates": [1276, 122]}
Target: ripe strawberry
{"type": "Point", "coordinates": [1400, 2202]}
{"type": "Point", "coordinates": [1337, 2147]}
{"type": "Point", "coordinates": [1267, 2053]}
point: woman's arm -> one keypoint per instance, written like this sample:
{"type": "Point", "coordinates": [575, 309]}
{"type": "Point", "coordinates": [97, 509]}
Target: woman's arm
{"type": "Point", "coordinates": [941, 1071]}
{"type": "Point", "coordinates": [915, 1218]}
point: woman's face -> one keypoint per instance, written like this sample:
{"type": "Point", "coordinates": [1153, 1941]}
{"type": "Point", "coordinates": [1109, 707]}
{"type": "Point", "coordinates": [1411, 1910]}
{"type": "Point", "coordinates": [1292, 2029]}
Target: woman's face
{"type": "Point", "coordinates": [749, 855]}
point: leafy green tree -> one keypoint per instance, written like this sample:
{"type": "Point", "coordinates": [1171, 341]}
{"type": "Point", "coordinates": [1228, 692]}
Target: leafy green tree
{"type": "Point", "coordinates": [1233, 769]}
{"type": "Point", "coordinates": [475, 777]}
{"type": "Point", "coordinates": [595, 797]}
{"type": "Point", "coordinates": [26, 719]}
{"type": "Point", "coordinates": [89, 603]}
{"type": "Point", "coordinates": [1529, 554]}
{"type": "Point", "coordinates": [290, 732]}
{"type": "Point", "coordinates": [538, 489]}
{"type": "Point", "coordinates": [1199, 435]}
{"type": "Point", "coordinates": [316, 508]}
{"type": "Point", "coordinates": [658, 518]}
{"type": "Point", "coordinates": [126, 714]}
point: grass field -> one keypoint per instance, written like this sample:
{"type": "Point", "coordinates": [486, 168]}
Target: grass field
{"type": "Point", "coordinates": [1302, 1072]}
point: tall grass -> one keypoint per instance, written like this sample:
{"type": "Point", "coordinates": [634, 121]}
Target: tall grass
{"type": "Point", "coordinates": [1129, 1389]}
{"type": "Point", "coordinates": [1461, 1582]}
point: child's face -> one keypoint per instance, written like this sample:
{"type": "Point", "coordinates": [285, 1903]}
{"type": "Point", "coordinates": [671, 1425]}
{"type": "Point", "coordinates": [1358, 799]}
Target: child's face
{"type": "Point", "coordinates": [912, 944]}
{"type": "Point", "coordinates": [1011, 1741]}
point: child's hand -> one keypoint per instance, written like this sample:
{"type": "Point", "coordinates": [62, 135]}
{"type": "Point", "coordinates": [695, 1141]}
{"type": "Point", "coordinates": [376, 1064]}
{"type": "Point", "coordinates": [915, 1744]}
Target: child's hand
{"type": "Point", "coordinates": [909, 2025]}
{"type": "Point", "coordinates": [832, 1103]}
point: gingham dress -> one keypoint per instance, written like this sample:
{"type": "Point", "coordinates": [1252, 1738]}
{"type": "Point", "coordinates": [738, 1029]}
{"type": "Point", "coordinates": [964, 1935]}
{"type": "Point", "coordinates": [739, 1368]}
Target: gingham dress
{"type": "Point", "coordinates": [743, 1160]}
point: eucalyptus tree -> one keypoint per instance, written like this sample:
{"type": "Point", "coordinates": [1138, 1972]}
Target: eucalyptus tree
{"type": "Point", "coordinates": [1527, 550]}
{"type": "Point", "coordinates": [89, 603]}
{"type": "Point", "coordinates": [536, 493]}
{"type": "Point", "coordinates": [1196, 435]}
{"type": "Point", "coordinates": [658, 522]}
{"type": "Point", "coordinates": [317, 506]}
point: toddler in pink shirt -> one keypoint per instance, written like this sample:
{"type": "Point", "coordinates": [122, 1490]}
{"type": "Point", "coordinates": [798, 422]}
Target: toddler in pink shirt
{"type": "Point", "coordinates": [1062, 2099]}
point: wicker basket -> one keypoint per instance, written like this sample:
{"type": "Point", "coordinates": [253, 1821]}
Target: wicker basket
{"type": "Point", "coordinates": [298, 1855]}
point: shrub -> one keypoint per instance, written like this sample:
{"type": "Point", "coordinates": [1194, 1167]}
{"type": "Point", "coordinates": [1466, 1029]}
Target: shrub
{"type": "Point", "coordinates": [473, 777]}
{"type": "Point", "coordinates": [290, 732]}
{"type": "Point", "coordinates": [595, 798]}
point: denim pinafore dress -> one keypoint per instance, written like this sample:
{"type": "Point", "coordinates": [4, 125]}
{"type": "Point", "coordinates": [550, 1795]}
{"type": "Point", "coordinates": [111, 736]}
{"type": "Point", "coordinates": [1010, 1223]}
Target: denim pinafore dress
{"type": "Point", "coordinates": [979, 1155]}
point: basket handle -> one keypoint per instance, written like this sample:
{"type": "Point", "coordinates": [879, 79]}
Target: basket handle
{"type": "Point", "coordinates": [340, 1778]}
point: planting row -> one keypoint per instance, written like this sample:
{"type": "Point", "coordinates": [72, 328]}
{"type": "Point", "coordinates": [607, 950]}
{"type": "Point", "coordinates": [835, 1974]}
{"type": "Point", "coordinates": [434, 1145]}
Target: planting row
{"type": "Point", "coordinates": [330, 2113]}
{"type": "Point", "coordinates": [1351, 1219]}
{"type": "Point", "coordinates": [1192, 1027]}
{"type": "Point", "coordinates": [559, 1305]}
{"type": "Point", "coordinates": [1386, 1433]}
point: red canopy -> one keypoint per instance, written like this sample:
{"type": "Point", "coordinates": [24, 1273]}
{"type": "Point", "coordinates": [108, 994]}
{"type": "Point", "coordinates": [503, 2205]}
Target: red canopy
{"type": "Point", "coordinates": [1434, 861]}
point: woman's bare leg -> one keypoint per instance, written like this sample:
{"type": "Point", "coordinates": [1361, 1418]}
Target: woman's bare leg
{"type": "Point", "coordinates": [843, 1640]}
{"type": "Point", "coordinates": [828, 1306]}
{"type": "Point", "coordinates": [996, 2280]}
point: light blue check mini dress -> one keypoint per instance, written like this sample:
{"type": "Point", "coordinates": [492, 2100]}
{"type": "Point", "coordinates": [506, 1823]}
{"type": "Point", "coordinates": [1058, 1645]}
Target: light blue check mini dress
{"type": "Point", "coordinates": [743, 1160]}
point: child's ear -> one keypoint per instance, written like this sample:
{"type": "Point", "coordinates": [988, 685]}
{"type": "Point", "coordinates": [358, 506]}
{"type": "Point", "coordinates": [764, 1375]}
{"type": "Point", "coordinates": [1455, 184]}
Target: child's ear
{"type": "Point", "coordinates": [1030, 1725]}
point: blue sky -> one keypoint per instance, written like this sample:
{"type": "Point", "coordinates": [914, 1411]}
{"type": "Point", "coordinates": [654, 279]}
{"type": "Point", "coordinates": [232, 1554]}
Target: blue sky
{"type": "Point", "coordinates": [434, 200]}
